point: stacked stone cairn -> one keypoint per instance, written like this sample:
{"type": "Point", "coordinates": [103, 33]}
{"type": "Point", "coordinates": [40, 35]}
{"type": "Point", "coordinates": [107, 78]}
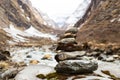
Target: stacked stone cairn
{"type": "Point", "coordinates": [68, 61]}
{"type": "Point", "coordinates": [68, 41]}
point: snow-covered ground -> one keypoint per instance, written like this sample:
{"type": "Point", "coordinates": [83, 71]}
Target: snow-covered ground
{"type": "Point", "coordinates": [62, 11]}
{"type": "Point", "coordinates": [17, 35]}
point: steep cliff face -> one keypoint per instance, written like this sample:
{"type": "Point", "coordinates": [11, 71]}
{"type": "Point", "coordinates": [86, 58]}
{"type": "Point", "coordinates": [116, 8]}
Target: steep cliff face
{"type": "Point", "coordinates": [21, 14]}
{"type": "Point", "coordinates": [102, 24]}
{"type": "Point", "coordinates": [19, 20]}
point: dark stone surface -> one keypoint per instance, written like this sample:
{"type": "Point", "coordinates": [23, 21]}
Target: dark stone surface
{"type": "Point", "coordinates": [4, 55]}
{"type": "Point", "coordinates": [68, 44]}
{"type": "Point", "coordinates": [76, 66]}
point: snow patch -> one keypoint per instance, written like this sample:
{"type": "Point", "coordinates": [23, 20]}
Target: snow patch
{"type": "Point", "coordinates": [31, 32]}
{"type": "Point", "coordinates": [34, 32]}
{"type": "Point", "coordinates": [14, 33]}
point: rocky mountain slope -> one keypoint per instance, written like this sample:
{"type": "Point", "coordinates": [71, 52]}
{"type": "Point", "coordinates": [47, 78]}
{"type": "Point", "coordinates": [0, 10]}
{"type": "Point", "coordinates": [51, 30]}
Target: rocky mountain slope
{"type": "Point", "coordinates": [78, 13]}
{"type": "Point", "coordinates": [18, 19]}
{"type": "Point", "coordinates": [102, 24]}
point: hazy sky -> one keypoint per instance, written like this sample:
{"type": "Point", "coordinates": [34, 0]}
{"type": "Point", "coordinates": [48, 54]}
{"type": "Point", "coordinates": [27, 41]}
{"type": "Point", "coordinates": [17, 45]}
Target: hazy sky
{"type": "Point", "coordinates": [56, 7]}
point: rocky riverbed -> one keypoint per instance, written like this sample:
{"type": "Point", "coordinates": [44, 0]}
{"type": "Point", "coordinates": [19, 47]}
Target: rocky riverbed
{"type": "Point", "coordinates": [65, 61]}
{"type": "Point", "coordinates": [38, 63]}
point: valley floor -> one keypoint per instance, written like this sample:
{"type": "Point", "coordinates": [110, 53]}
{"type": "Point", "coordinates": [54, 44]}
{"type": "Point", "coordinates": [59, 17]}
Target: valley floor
{"type": "Point", "coordinates": [40, 60]}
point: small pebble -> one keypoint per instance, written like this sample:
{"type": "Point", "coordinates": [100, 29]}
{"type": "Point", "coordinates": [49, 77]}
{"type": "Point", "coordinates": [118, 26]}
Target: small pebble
{"type": "Point", "coordinates": [29, 56]}
{"type": "Point", "coordinates": [34, 62]}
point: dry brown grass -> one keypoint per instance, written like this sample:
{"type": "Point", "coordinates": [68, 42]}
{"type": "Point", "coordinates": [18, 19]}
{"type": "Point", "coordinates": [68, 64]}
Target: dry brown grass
{"type": "Point", "coordinates": [35, 41]}
{"type": "Point", "coordinates": [3, 39]}
{"type": "Point", "coordinates": [99, 29]}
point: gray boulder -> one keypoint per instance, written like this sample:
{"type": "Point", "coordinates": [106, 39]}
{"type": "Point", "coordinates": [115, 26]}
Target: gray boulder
{"type": "Point", "coordinates": [67, 44]}
{"type": "Point", "coordinates": [73, 30]}
{"type": "Point", "coordinates": [74, 55]}
{"type": "Point", "coordinates": [76, 66]}
{"type": "Point", "coordinates": [67, 41]}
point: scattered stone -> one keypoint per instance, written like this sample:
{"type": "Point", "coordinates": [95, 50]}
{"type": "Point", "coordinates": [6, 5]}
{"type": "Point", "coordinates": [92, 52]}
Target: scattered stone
{"type": "Point", "coordinates": [76, 66]}
{"type": "Point", "coordinates": [110, 59]}
{"type": "Point", "coordinates": [29, 56]}
{"type": "Point", "coordinates": [115, 56]}
{"type": "Point", "coordinates": [47, 56]}
{"type": "Point", "coordinates": [4, 65]}
{"type": "Point", "coordinates": [10, 73]}
{"type": "Point", "coordinates": [34, 62]}
{"type": "Point", "coordinates": [21, 64]}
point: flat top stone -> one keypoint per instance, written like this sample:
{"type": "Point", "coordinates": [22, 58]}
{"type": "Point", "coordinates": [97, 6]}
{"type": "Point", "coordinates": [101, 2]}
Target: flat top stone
{"type": "Point", "coordinates": [67, 40]}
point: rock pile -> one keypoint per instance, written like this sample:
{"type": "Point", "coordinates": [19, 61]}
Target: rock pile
{"type": "Point", "coordinates": [76, 66]}
{"type": "Point", "coordinates": [68, 41]}
{"type": "Point", "coordinates": [72, 62]}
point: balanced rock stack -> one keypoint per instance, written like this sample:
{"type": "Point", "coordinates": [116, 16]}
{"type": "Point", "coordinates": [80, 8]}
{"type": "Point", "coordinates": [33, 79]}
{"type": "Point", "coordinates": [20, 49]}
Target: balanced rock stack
{"type": "Point", "coordinates": [68, 41]}
{"type": "Point", "coordinates": [70, 60]}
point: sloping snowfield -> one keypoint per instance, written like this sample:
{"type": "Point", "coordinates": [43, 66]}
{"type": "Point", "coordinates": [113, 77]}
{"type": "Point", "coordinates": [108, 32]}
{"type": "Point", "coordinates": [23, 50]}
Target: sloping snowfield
{"type": "Point", "coordinates": [31, 32]}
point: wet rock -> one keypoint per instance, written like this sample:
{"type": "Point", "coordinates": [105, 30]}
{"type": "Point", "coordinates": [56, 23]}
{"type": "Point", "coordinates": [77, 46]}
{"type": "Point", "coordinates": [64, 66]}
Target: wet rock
{"type": "Point", "coordinates": [76, 66]}
{"type": "Point", "coordinates": [73, 30]}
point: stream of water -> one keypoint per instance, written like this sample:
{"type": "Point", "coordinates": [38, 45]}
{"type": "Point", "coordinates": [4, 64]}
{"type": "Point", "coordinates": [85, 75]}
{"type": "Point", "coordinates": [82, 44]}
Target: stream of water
{"type": "Point", "coordinates": [26, 54]}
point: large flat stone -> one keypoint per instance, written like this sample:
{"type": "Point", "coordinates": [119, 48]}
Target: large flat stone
{"type": "Point", "coordinates": [76, 66]}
